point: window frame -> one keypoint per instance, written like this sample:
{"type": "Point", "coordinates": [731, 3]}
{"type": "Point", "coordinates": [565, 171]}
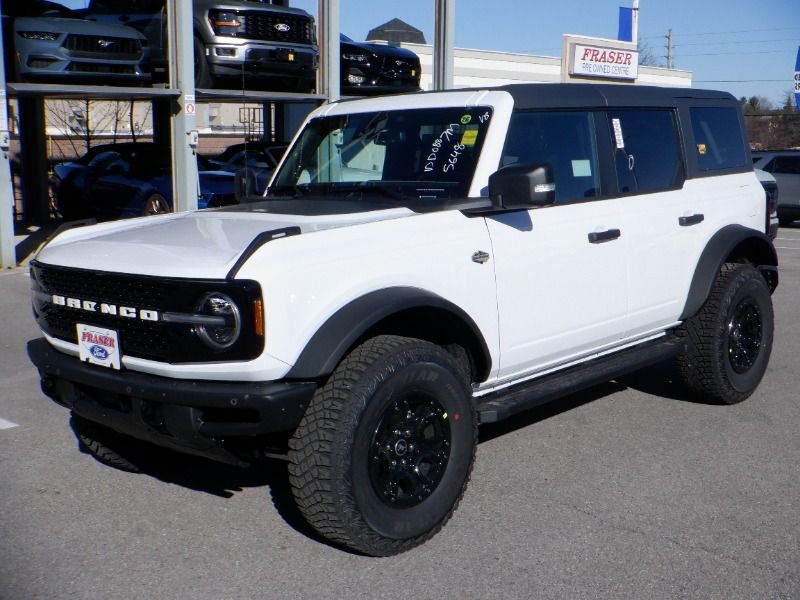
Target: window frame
{"type": "Point", "coordinates": [680, 145]}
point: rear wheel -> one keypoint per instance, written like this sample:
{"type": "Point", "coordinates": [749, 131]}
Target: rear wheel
{"type": "Point", "coordinates": [785, 221]}
{"type": "Point", "coordinates": [383, 454]}
{"type": "Point", "coordinates": [730, 339]}
{"type": "Point", "coordinates": [155, 204]}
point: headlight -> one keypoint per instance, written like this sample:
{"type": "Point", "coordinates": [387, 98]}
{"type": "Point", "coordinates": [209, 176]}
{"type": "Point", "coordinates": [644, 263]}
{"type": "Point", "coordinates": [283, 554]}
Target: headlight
{"type": "Point", "coordinates": [225, 22]}
{"type": "Point", "coordinates": [359, 58]}
{"type": "Point", "coordinates": [39, 35]}
{"type": "Point", "coordinates": [226, 332]}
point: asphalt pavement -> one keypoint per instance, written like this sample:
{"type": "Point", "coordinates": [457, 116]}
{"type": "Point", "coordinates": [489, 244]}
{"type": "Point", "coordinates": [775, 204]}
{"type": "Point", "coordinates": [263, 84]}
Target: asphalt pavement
{"type": "Point", "coordinates": [624, 491]}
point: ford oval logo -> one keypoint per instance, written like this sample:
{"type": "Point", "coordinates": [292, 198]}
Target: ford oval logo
{"type": "Point", "coordinates": [99, 352]}
{"type": "Point", "coordinates": [282, 27]}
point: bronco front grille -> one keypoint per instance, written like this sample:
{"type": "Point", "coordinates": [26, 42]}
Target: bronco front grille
{"type": "Point", "coordinates": [151, 339]}
{"type": "Point", "coordinates": [276, 27]}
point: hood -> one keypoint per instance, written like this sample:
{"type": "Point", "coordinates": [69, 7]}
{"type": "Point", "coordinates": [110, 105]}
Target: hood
{"type": "Point", "coordinates": [202, 244]}
{"type": "Point", "coordinates": [75, 26]}
{"type": "Point", "coordinates": [348, 45]}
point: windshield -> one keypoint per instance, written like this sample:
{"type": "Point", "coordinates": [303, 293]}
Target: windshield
{"type": "Point", "coordinates": [408, 154]}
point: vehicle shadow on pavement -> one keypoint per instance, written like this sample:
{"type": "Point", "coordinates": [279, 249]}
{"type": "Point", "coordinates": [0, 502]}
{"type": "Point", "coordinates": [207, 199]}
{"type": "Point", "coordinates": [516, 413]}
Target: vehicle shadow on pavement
{"type": "Point", "coordinates": [661, 380]}
{"type": "Point", "coordinates": [490, 431]}
{"type": "Point", "coordinates": [222, 480]}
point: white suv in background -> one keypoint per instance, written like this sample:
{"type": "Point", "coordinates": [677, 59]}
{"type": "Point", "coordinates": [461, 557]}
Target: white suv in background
{"type": "Point", "coordinates": [784, 166]}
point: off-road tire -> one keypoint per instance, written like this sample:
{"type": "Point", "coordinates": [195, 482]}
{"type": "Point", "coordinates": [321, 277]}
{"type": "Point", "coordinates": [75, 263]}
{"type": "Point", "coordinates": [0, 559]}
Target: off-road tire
{"type": "Point", "coordinates": [729, 340]}
{"type": "Point", "coordinates": [98, 441]}
{"type": "Point", "coordinates": [338, 460]}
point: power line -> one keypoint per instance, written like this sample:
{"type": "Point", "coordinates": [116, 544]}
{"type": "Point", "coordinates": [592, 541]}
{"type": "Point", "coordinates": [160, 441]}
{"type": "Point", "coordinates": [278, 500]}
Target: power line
{"type": "Point", "coordinates": [739, 42]}
{"type": "Point", "coordinates": [738, 80]}
{"type": "Point", "coordinates": [705, 33]}
{"type": "Point", "coordinates": [734, 53]}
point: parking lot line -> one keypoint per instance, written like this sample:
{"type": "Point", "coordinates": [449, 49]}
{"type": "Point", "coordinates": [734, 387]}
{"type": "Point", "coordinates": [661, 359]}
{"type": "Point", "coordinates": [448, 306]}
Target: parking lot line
{"type": "Point", "coordinates": [7, 424]}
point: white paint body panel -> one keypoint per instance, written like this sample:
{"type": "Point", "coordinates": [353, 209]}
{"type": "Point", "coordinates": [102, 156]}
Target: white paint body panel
{"type": "Point", "coordinates": [546, 297]}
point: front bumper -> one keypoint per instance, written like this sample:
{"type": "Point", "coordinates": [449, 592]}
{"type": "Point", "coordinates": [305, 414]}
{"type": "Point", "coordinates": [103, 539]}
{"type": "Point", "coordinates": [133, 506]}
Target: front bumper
{"type": "Point", "coordinates": [204, 418]}
{"type": "Point", "coordinates": [262, 60]}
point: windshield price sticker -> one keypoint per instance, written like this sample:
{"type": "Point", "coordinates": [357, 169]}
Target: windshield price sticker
{"type": "Point", "coordinates": [470, 137]}
{"type": "Point", "coordinates": [98, 346]}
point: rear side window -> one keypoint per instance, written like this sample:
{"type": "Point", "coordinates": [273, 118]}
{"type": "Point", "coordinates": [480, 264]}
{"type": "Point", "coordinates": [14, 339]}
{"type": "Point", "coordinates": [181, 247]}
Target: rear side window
{"type": "Point", "coordinates": [784, 164]}
{"type": "Point", "coordinates": [647, 153]}
{"type": "Point", "coordinates": [718, 138]}
{"type": "Point", "coordinates": [565, 141]}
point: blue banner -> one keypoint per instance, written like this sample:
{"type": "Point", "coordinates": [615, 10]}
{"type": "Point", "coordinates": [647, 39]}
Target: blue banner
{"type": "Point", "coordinates": [625, 24]}
{"type": "Point", "coordinates": [797, 80]}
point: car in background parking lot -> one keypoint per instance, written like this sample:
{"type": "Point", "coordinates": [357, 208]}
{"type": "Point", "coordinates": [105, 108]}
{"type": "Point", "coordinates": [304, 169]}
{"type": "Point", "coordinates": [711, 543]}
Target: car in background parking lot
{"type": "Point", "coordinates": [45, 40]}
{"type": "Point", "coordinates": [115, 181]}
{"type": "Point", "coordinates": [784, 166]}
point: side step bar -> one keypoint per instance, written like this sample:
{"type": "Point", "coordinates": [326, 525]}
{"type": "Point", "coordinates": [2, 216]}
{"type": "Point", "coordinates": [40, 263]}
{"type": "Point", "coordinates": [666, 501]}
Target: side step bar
{"type": "Point", "coordinates": [536, 392]}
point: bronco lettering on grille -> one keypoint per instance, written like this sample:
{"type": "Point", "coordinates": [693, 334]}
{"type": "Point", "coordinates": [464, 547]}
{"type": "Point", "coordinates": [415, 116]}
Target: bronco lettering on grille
{"type": "Point", "coordinates": [129, 312]}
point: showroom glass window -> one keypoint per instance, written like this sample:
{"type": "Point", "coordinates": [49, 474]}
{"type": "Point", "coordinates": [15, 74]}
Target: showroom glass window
{"type": "Point", "coordinates": [647, 152]}
{"type": "Point", "coordinates": [563, 139]}
{"type": "Point", "coordinates": [718, 139]}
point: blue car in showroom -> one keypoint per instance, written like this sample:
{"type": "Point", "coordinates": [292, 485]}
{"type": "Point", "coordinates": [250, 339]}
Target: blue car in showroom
{"type": "Point", "coordinates": [117, 181]}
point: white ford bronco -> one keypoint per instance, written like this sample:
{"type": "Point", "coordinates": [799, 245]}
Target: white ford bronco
{"type": "Point", "coordinates": [419, 265]}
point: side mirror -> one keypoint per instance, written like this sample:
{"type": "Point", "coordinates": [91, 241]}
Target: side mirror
{"type": "Point", "coordinates": [522, 186]}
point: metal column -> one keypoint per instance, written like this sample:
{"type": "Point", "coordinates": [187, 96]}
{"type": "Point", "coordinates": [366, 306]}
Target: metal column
{"type": "Point", "coordinates": [444, 27]}
{"type": "Point", "coordinates": [329, 68]}
{"type": "Point", "coordinates": [184, 131]}
{"type": "Point", "coordinates": [8, 257]}
{"type": "Point", "coordinates": [33, 156]}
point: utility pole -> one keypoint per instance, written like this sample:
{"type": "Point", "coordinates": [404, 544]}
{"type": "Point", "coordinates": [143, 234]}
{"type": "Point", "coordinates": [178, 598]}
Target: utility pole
{"type": "Point", "coordinates": [669, 48]}
{"type": "Point", "coordinates": [635, 23]}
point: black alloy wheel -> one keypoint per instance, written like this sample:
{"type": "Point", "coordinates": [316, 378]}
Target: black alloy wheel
{"type": "Point", "coordinates": [410, 450]}
{"type": "Point", "coordinates": [744, 335]}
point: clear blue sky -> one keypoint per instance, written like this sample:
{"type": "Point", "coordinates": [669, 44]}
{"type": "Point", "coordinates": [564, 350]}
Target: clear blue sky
{"type": "Point", "coordinates": [747, 47]}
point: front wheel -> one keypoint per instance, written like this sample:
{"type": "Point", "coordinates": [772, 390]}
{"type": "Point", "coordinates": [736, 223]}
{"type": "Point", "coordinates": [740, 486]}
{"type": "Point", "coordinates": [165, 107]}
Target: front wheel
{"type": "Point", "coordinates": [730, 340]}
{"type": "Point", "coordinates": [383, 454]}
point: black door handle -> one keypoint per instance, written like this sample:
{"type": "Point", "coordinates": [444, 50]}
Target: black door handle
{"type": "Point", "coordinates": [598, 237]}
{"type": "Point", "coordinates": [691, 220]}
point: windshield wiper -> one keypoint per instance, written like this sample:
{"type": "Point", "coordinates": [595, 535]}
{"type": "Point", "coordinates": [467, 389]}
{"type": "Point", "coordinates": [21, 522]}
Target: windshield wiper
{"type": "Point", "coordinates": [294, 191]}
{"type": "Point", "coordinates": [367, 187]}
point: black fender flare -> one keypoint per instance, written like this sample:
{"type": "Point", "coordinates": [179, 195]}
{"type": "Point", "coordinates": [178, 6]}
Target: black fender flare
{"type": "Point", "coordinates": [328, 346]}
{"type": "Point", "coordinates": [752, 244]}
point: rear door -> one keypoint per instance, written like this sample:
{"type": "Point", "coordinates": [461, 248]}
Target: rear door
{"type": "Point", "coordinates": [561, 270]}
